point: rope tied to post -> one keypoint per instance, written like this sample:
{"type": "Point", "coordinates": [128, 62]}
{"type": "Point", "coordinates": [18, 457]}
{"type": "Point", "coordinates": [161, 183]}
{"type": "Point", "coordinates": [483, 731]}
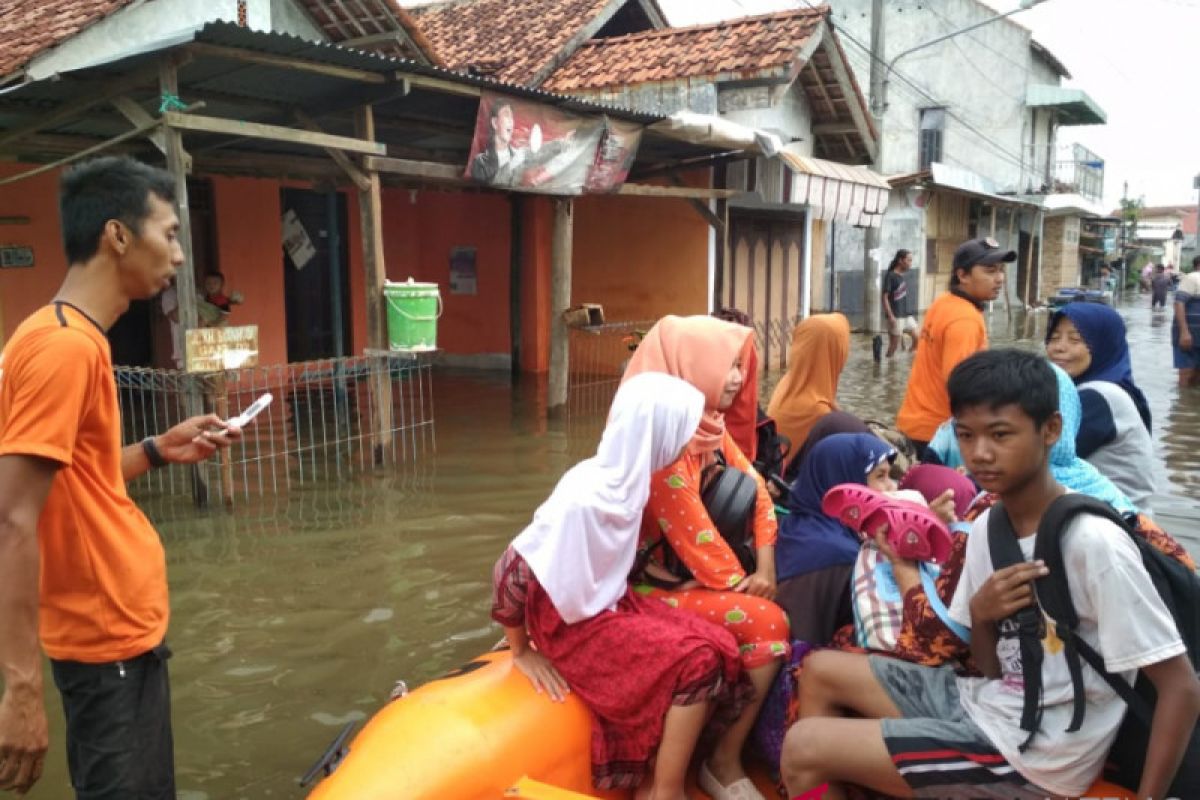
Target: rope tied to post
{"type": "Point", "coordinates": [171, 102]}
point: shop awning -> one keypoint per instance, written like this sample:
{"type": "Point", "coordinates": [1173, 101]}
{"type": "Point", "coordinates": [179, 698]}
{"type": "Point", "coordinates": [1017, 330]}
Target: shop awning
{"type": "Point", "coordinates": [839, 192]}
{"type": "Point", "coordinates": [1073, 105]}
{"type": "Point", "coordinates": [940, 177]}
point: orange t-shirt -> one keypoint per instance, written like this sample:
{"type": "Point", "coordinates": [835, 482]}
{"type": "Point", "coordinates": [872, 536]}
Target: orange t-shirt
{"type": "Point", "coordinates": [103, 568]}
{"type": "Point", "coordinates": [952, 331]}
{"type": "Point", "coordinates": [676, 511]}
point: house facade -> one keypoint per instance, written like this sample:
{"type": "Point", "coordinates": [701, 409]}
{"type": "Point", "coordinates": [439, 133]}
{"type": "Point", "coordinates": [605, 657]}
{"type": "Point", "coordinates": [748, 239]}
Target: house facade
{"type": "Point", "coordinates": [782, 76]}
{"type": "Point", "coordinates": [239, 198]}
{"type": "Point", "coordinates": [973, 140]}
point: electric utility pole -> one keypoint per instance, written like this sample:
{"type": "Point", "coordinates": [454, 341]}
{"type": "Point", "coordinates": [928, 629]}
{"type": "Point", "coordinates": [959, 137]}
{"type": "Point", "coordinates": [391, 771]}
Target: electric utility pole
{"type": "Point", "coordinates": [872, 241]}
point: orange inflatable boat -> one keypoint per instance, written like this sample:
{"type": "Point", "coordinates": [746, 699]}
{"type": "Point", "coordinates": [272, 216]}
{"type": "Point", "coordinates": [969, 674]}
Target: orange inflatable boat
{"type": "Point", "coordinates": [480, 733]}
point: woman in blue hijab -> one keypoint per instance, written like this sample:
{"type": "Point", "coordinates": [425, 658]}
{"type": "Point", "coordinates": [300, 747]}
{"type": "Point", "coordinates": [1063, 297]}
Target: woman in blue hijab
{"type": "Point", "coordinates": [815, 554]}
{"type": "Point", "coordinates": [1068, 469]}
{"type": "Point", "coordinates": [1088, 341]}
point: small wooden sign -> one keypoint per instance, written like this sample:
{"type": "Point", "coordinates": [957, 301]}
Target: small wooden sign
{"type": "Point", "coordinates": [219, 349]}
{"type": "Point", "coordinates": [15, 256]}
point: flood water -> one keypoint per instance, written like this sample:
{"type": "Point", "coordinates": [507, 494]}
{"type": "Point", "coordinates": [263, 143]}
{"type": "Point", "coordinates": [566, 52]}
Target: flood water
{"type": "Point", "coordinates": [297, 614]}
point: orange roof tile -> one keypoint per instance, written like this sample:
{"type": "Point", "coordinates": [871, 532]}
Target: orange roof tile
{"type": "Point", "coordinates": [509, 40]}
{"type": "Point", "coordinates": [741, 47]}
{"type": "Point", "coordinates": [27, 27]}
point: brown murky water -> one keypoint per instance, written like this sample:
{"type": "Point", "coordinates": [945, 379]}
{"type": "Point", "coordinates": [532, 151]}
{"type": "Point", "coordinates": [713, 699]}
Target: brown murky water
{"type": "Point", "coordinates": [298, 614]}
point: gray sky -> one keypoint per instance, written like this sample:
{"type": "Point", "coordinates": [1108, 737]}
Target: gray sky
{"type": "Point", "coordinates": [1139, 59]}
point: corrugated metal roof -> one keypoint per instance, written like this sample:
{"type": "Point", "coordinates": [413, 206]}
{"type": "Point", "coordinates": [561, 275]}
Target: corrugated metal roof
{"type": "Point", "coordinates": [230, 35]}
{"type": "Point", "coordinates": [435, 123]}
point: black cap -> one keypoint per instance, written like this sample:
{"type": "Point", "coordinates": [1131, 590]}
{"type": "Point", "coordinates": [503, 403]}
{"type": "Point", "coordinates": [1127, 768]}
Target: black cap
{"type": "Point", "coordinates": [981, 251]}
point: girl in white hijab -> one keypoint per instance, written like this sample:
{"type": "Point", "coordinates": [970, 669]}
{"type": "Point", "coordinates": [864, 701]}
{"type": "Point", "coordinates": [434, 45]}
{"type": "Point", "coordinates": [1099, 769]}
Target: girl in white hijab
{"type": "Point", "coordinates": [649, 674]}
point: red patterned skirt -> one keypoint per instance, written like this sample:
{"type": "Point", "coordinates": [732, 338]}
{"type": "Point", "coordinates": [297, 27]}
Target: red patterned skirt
{"type": "Point", "coordinates": [628, 666]}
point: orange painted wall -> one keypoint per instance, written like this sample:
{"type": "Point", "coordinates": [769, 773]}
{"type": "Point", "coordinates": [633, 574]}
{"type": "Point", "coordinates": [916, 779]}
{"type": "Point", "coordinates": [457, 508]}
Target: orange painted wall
{"type": "Point", "coordinates": [421, 228]}
{"type": "Point", "coordinates": [249, 253]}
{"type": "Point", "coordinates": [537, 222]}
{"type": "Point", "coordinates": [23, 291]}
{"type": "Point", "coordinates": [641, 257]}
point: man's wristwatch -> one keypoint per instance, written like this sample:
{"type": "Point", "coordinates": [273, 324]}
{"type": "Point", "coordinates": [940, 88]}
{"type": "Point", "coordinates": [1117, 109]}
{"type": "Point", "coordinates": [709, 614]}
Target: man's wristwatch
{"type": "Point", "coordinates": [152, 453]}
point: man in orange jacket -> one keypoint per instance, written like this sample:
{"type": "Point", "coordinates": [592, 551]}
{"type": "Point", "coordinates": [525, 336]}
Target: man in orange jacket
{"type": "Point", "coordinates": [953, 329]}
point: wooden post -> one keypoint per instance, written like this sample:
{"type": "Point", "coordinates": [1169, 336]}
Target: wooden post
{"type": "Point", "coordinates": [220, 407]}
{"type": "Point", "coordinates": [179, 164]}
{"type": "Point", "coordinates": [1029, 267]}
{"type": "Point", "coordinates": [370, 215]}
{"type": "Point", "coordinates": [560, 301]}
{"type": "Point", "coordinates": [1012, 217]}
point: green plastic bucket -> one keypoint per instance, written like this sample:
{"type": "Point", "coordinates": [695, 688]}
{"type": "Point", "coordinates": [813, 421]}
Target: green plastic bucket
{"type": "Point", "coordinates": [412, 314]}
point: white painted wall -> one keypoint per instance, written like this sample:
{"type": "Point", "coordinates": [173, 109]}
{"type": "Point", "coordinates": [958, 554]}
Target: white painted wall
{"type": "Point", "coordinates": [790, 116]}
{"type": "Point", "coordinates": [980, 76]}
{"type": "Point", "coordinates": [147, 22]}
{"type": "Point", "coordinates": [287, 17]}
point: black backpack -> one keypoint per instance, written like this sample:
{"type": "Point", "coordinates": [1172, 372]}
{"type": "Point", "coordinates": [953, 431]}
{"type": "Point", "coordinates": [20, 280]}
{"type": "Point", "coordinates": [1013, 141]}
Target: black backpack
{"type": "Point", "coordinates": [730, 497]}
{"type": "Point", "coordinates": [1177, 585]}
{"type": "Point", "coordinates": [771, 452]}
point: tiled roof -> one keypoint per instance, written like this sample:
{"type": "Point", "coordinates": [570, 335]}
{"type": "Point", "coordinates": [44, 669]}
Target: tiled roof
{"type": "Point", "coordinates": [742, 47]}
{"type": "Point", "coordinates": [27, 27]}
{"type": "Point", "coordinates": [510, 40]}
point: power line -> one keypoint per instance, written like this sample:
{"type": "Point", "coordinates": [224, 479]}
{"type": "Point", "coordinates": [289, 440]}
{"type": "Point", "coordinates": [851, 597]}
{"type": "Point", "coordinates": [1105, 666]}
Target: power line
{"type": "Point", "coordinates": [999, 148]}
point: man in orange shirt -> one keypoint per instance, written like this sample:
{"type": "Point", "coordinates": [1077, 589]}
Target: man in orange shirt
{"type": "Point", "coordinates": [81, 568]}
{"type": "Point", "coordinates": [953, 329]}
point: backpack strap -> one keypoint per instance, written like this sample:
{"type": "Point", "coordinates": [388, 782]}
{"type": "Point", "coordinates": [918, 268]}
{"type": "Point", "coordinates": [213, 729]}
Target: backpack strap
{"type": "Point", "coordinates": [1027, 623]}
{"type": "Point", "coordinates": [1054, 595]}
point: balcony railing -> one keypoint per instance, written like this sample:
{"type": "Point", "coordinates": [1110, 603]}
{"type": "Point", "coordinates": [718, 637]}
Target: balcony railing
{"type": "Point", "coordinates": [1064, 169]}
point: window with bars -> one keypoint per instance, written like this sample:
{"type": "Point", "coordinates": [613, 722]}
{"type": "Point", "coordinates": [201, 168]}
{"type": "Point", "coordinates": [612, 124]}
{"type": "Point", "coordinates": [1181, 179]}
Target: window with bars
{"type": "Point", "coordinates": [929, 143]}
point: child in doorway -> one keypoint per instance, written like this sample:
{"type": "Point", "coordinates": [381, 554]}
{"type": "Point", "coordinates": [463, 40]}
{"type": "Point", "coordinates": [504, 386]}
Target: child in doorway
{"type": "Point", "coordinates": [214, 295]}
{"type": "Point", "coordinates": [922, 731]}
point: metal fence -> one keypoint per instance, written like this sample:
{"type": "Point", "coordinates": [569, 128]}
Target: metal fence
{"type": "Point", "coordinates": [597, 358]}
{"type": "Point", "coordinates": [329, 419]}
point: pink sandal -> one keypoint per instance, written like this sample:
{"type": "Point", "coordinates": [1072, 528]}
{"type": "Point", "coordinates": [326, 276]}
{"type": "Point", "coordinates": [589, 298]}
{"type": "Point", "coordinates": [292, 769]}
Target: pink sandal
{"type": "Point", "coordinates": [913, 531]}
{"type": "Point", "coordinates": [852, 504]}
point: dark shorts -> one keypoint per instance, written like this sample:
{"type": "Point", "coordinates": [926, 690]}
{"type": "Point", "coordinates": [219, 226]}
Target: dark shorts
{"type": "Point", "coordinates": [936, 747]}
{"type": "Point", "coordinates": [1186, 359]}
{"type": "Point", "coordinates": [119, 744]}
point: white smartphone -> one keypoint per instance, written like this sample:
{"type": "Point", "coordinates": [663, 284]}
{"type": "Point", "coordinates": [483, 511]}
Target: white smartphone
{"type": "Point", "coordinates": [243, 419]}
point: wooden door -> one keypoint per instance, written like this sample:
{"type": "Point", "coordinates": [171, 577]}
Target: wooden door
{"type": "Point", "coordinates": [764, 277]}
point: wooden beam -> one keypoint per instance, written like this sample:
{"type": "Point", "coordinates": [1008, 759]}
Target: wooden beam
{"type": "Point", "coordinates": [140, 117]}
{"type": "Point", "coordinates": [76, 156]}
{"type": "Point", "coordinates": [286, 62]}
{"type": "Point", "coordinates": [374, 38]}
{"type": "Point", "coordinates": [438, 84]}
{"type": "Point", "coordinates": [77, 108]}
{"type": "Point", "coordinates": [681, 192]}
{"type": "Point", "coordinates": [700, 207]}
{"type": "Point", "coordinates": [425, 170]}
{"type": "Point", "coordinates": [833, 128]}
{"type": "Point", "coordinates": [857, 113]}
{"type": "Point", "coordinates": [339, 158]}
{"type": "Point", "coordinates": [273, 165]}
{"type": "Point", "coordinates": [560, 300]}
{"type": "Point", "coordinates": [277, 133]}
